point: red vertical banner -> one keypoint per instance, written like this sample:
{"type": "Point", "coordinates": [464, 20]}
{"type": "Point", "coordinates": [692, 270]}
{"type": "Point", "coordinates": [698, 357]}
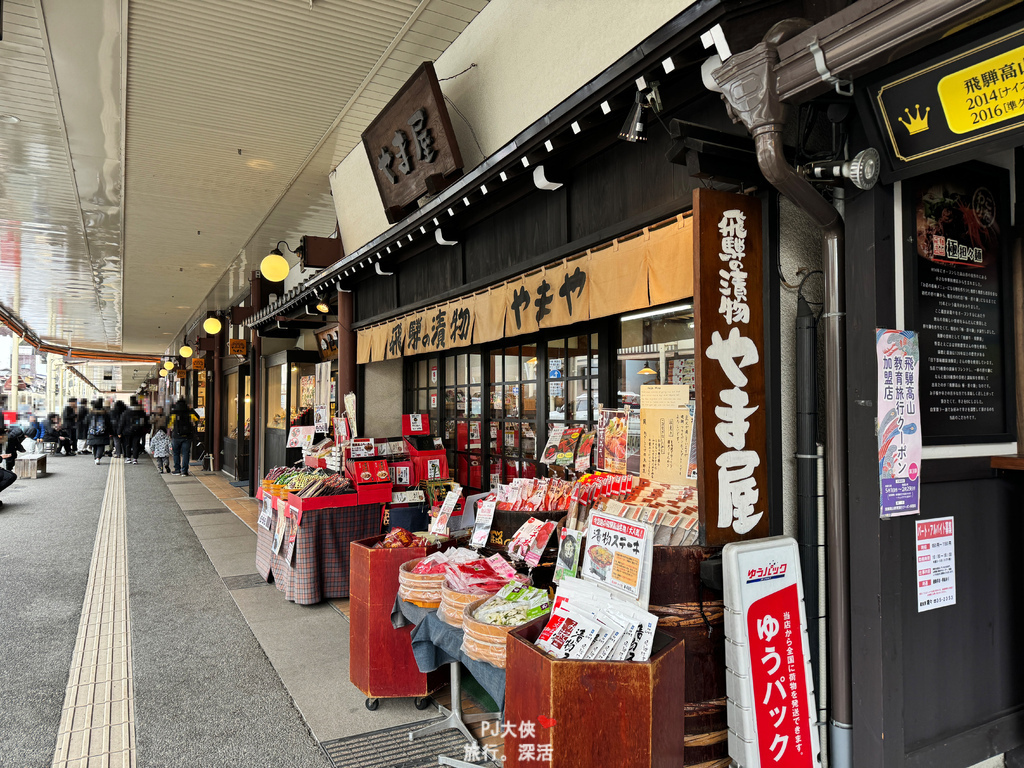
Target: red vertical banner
{"type": "Point", "coordinates": [777, 670]}
{"type": "Point", "coordinates": [732, 475]}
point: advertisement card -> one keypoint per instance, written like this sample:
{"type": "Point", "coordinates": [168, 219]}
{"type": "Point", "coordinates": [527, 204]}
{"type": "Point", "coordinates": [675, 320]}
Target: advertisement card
{"type": "Point", "coordinates": [551, 448]}
{"type": "Point", "coordinates": [350, 413]}
{"type": "Point", "coordinates": [899, 422]}
{"type": "Point", "coordinates": [618, 556]}
{"type": "Point", "coordinates": [567, 446]}
{"type": "Point", "coordinates": [665, 440]}
{"type": "Point", "coordinates": [568, 561]}
{"type": "Point", "coordinates": [484, 517]}
{"type": "Point", "coordinates": [341, 431]}
{"type": "Point", "coordinates": [266, 513]}
{"type": "Point", "coordinates": [440, 523]}
{"type": "Point", "coordinates": [585, 450]}
{"type": "Point", "coordinates": [301, 437]}
{"type": "Point", "coordinates": [936, 564]}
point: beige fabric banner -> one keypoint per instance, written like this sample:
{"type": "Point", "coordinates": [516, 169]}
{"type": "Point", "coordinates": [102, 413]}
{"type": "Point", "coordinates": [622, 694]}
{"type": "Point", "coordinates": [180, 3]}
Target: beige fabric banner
{"type": "Point", "coordinates": [670, 262]}
{"type": "Point", "coordinates": [618, 277]}
{"type": "Point", "coordinates": [489, 310]}
{"type": "Point", "coordinates": [651, 268]}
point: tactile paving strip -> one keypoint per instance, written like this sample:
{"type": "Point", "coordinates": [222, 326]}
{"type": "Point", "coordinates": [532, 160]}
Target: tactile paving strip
{"type": "Point", "coordinates": [98, 720]}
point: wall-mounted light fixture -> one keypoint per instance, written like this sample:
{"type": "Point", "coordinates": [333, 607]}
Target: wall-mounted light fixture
{"type": "Point", "coordinates": [168, 365]}
{"type": "Point", "coordinates": [212, 325]}
{"type": "Point", "coordinates": [275, 266]}
{"type": "Point", "coordinates": [185, 351]}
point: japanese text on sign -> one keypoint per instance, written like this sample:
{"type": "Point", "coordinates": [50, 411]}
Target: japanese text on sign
{"type": "Point", "coordinates": [936, 564]}
{"type": "Point", "coordinates": [738, 493]}
{"type": "Point", "coordinates": [899, 428]}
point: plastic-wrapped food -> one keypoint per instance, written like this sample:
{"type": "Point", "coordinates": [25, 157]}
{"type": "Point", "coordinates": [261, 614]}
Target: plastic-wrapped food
{"type": "Point", "coordinates": [399, 537]}
{"type": "Point", "coordinates": [435, 563]}
{"type": "Point", "coordinates": [515, 604]}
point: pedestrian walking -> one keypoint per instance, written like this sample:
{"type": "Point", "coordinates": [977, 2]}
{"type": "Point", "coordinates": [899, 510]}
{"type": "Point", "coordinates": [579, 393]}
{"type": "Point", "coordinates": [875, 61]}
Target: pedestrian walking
{"type": "Point", "coordinates": [157, 419]}
{"type": "Point", "coordinates": [160, 446]}
{"type": "Point", "coordinates": [116, 412]}
{"type": "Point", "coordinates": [82, 427]}
{"type": "Point", "coordinates": [69, 420]}
{"type": "Point", "coordinates": [99, 430]}
{"type": "Point", "coordinates": [182, 434]}
{"type": "Point", "coordinates": [133, 431]}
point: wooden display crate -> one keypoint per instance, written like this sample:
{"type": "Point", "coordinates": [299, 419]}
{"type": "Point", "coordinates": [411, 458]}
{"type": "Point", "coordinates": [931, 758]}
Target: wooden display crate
{"type": "Point", "coordinates": [381, 663]}
{"type": "Point", "coordinates": [626, 714]}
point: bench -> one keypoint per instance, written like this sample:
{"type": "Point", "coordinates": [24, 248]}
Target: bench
{"type": "Point", "coordinates": [30, 466]}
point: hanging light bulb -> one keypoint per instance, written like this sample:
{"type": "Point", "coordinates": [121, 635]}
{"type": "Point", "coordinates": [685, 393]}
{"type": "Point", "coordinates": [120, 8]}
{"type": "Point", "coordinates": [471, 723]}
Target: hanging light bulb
{"type": "Point", "coordinates": [212, 325]}
{"type": "Point", "coordinates": [647, 370]}
{"type": "Point", "coordinates": [169, 366]}
{"type": "Point", "coordinates": [274, 266]}
{"type": "Point", "coordinates": [185, 351]}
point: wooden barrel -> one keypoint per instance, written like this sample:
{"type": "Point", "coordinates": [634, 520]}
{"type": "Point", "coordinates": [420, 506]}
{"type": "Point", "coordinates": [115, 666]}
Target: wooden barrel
{"type": "Point", "coordinates": [675, 574]}
{"type": "Point", "coordinates": [422, 589]}
{"type": "Point", "coordinates": [453, 603]}
{"type": "Point", "coordinates": [706, 729]}
{"type": "Point", "coordinates": [702, 628]}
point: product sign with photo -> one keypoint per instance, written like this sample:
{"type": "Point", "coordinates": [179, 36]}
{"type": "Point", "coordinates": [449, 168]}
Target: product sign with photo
{"type": "Point", "coordinates": [618, 555]}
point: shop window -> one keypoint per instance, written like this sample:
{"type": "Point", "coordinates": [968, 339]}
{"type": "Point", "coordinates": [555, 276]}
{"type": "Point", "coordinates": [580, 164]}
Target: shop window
{"type": "Point", "coordinates": [231, 405]}
{"type": "Point", "coordinates": [656, 348]}
{"type": "Point", "coordinates": [303, 393]}
{"type": "Point", "coordinates": [277, 396]}
{"type": "Point", "coordinates": [421, 390]}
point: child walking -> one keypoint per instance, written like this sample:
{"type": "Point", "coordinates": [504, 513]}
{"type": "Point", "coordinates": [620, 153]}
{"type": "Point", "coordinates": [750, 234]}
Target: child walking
{"type": "Point", "coordinates": [160, 447]}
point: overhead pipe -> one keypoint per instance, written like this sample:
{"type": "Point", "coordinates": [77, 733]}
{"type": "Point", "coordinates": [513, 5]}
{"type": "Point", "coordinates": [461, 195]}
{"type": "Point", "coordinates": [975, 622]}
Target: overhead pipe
{"type": "Point", "coordinates": [747, 83]}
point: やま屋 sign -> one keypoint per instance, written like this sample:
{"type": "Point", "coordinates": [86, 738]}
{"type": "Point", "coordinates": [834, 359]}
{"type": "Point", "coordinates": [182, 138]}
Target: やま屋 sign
{"type": "Point", "coordinates": [729, 343]}
{"type": "Point", "coordinates": [411, 144]}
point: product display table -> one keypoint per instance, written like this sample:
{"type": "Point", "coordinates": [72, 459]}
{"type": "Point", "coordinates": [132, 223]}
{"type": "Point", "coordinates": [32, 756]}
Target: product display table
{"type": "Point", "coordinates": [435, 643]}
{"type": "Point", "coordinates": [319, 568]}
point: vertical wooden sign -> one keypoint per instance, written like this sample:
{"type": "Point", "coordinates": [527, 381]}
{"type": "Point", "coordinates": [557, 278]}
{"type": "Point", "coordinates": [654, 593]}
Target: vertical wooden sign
{"type": "Point", "coordinates": [732, 478]}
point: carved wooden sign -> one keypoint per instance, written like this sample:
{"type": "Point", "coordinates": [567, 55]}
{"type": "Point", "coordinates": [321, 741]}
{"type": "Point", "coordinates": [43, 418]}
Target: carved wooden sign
{"type": "Point", "coordinates": [732, 476]}
{"type": "Point", "coordinates": [411, 145]}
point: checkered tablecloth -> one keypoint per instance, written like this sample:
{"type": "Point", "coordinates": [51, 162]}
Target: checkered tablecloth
{"type": "Point", "coordinates": [319, 568]}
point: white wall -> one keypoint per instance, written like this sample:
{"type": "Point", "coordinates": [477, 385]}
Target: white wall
{"type": "Point", "coordinates": [530, 56]}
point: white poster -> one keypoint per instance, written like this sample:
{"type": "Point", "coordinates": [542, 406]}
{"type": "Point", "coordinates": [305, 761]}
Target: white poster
{"type": "Point", "coordinates": [484, 517]}
{"type": "Point", "coordinates": [936, 563]}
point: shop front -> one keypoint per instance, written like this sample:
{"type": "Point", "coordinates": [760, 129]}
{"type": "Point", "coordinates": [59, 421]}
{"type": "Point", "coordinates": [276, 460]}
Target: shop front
{"type": "Point", "coordinates": [289, 378]}
{"type": "Point", "coordinates": [236, 418]}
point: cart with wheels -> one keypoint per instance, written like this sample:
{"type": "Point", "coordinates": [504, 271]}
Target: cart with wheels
{"type": "Point", "coordinates": [381, 662]}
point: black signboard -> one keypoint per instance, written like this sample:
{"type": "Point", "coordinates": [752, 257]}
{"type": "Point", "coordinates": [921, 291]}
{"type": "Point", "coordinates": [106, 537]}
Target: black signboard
{"type": "Point", "coordinates": [956, 226]}
{"type": "Point", "coordinates": [944, 107]}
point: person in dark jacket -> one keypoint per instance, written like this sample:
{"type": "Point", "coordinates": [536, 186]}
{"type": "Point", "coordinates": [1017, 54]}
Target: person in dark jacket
{"type": "Point", "coordinates": [99, 430]}
{"type": "Point", "coordinates": [14, 446]}
{"type": "Point", "coordinates": [183, 431]}
{"type": "Point", "coordinates": [133, 428]}
{"type": "Point", "coordinates": [116, 412]}
{"type": "Point", "coordinates": [60, 436]}
{"type": "Point", "coordinates": [7, 477]}
{"type": "Point", "coordinates": [70, 417]}
{"type": "Point", "coordinates": [82, 427]}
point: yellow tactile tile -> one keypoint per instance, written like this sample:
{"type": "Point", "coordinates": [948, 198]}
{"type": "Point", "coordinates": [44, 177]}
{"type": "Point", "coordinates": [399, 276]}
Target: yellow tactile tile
{"type": "Point", "coordinates": [97, 723]}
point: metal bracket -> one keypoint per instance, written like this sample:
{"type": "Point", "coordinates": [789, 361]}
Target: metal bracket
{"type": "Point", "coordinates": [843, 87]}
{"type": "Point", "coordinates": [376, 266]}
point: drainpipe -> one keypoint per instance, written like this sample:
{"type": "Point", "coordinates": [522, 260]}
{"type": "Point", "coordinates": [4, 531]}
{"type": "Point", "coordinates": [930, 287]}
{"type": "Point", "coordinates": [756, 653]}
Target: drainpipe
{"type": "Point", "coordinates": [749, 87]}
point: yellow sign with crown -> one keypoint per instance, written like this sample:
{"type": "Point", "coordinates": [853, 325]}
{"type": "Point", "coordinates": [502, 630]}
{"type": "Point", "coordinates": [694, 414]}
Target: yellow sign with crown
{"type": "Point", "coordinates": [983, 94]}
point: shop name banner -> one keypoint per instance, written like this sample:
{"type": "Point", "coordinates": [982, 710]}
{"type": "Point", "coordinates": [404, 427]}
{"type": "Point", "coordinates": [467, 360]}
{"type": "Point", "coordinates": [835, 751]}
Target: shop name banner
{"type": "Point", "coordinates": [960, 216]}
{"type": "Point", "coordinates": [634, 272]}
{"type": "Point", "coordinates": [899, 423]}
{"type": "Point", "coordinates": [411, 144]}
{"type": "Point", "coordinates": [773, 722]}
{"type": "Point", "coordinates": [729, 338]}
{"type": "Point", "coordinates": [936, 563]}
{"type": "Point", "coordinates": [973, 94]}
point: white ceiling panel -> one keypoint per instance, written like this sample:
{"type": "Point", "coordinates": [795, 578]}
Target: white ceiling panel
{"type": "Point", "coordinates": [162, 148]}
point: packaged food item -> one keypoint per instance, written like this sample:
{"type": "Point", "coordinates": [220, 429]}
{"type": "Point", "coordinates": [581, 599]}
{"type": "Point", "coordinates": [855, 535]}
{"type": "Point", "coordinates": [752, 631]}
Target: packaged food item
{"type": "Point", "coordinates": [398, 538]}
{"type": "Point", "coordinates": [514, 605]}
{"type": "Point", "coordinates": [436, 563]}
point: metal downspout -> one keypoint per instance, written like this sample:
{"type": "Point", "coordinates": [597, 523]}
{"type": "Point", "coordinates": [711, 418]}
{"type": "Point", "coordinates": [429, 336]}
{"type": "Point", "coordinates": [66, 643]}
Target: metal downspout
{"type": "Point", "coordinates": [782, 176]}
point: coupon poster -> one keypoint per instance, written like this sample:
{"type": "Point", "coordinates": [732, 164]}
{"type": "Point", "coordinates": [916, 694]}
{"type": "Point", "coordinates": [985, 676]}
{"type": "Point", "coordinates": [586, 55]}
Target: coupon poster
{"type": "Point", "coordinates": [899, 422]}
{"type": "Point", "coordinates": [936, 563]}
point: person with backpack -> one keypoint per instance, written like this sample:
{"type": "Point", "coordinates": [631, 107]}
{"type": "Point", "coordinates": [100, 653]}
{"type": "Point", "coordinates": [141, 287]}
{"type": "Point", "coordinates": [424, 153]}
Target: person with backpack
{"type": "Point", "coordinates": [183, 431]}
{"type": "Point", "coordinates": [133, 431]}
{"type": "Point", "coordinates": [99, 430]}
{"type": "Point", "coordinates": [116, 412]}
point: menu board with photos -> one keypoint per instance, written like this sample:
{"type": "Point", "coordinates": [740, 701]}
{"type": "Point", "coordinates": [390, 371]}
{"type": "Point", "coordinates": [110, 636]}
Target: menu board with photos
{"type": "Point", "coordinates": [958, 220]}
